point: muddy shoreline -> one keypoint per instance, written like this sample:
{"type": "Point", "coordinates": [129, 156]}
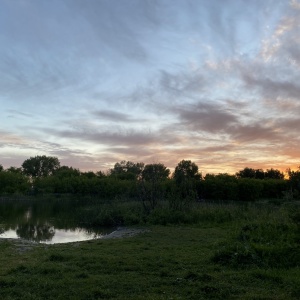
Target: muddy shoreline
{"type": "Point", "coordinates": [124, 232]}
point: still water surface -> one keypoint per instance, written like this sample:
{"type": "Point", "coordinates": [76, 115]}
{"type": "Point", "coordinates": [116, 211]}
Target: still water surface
{"type": "Point", "coordinates": [48, 222]}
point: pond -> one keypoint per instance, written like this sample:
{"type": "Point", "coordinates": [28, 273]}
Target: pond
{"type": "Point", "coordinates": [49, 221]}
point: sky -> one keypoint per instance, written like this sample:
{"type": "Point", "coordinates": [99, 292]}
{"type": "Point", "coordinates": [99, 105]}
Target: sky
{"type": "Point", "coordinates": [95, 82]}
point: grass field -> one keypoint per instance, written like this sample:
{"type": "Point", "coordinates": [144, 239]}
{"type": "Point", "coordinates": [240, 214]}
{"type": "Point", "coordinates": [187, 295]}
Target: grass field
{"type": "Point", "coordinates": [254, 256]}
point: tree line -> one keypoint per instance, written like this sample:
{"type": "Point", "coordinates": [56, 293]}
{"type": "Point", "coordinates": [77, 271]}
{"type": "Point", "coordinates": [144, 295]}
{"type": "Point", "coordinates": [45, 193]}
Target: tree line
{"type": "Point", "coordinates": [149, 183]}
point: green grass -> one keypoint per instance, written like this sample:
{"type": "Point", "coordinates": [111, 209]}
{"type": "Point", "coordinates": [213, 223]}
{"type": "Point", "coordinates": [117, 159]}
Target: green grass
{"type": "Point", "coordinates": [214, 252]}
{"type": "Point", "coordinates": [165, 263]}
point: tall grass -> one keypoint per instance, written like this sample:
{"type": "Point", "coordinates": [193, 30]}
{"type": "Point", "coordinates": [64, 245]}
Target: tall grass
{"type": "Point", "coordinates": [269, 239]}
{"type": "Point", "coordinates": [124, 212]}
{"type": "Point", "coordinates": [263, 234]}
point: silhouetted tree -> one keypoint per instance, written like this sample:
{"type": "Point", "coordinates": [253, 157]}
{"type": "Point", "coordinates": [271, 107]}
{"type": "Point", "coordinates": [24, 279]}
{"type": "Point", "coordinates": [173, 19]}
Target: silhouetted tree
{"type": "Point", "coordinates": [246, 173]}
{"type": "Point", "coordinates": [66, 172]}
{"type": "Point", "coordinates": [186, 179]}
{"type": "Point", "coordinates": [157, 171]}
{"type": "Point", "coordinates": [127, 170]}
{"type": "Point", "coordinates": [150, 188]}
{"type": "Point", "coordinates": [294, 181]}
{"type": "Point", "coordinates": [259, 174]}
{"type": "Point", "coordinates": [89, 174]}
{"type": "Point", "coordinates": [221, 186]}
{"type": "Point", "coordinates": [186, 169]}
{"type": "Point", "coordinates": [1, 168]}
{"type": "Point", "coordinates": [274, 174]}
{"type": "Point", "coordinates": [40, 166]}
{"type": "Point", "coordinates": [100, 174]}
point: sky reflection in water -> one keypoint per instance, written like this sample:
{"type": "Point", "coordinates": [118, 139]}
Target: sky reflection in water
{"type": "Point", "coordinates": [60, 235]}
{"type": "Point", "coordinates": [50, 223]}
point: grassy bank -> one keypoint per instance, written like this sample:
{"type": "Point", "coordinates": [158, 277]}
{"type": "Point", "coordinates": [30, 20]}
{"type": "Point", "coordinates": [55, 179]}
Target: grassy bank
{"type": "Point", "coordinates": [229, 253]}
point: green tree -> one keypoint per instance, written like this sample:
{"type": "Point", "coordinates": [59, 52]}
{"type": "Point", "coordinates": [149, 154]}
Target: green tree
{"type": "Point", "coordinates": [13, 183]}
{"type": "Point", "coordinates": [14, 170]}
{"type": "Point", "coordinates": [40, 166]}
{"type": "Point", "coordinates": [1, 168]}
{"type": "Point", "coordinates": [66, 172]}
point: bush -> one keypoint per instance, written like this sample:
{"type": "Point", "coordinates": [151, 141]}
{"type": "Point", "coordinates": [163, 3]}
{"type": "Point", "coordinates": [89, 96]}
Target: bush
{"type": "Point", "coordinates": [13, 183]}
{"type": "Point", "coordinates": [249, 189]}
{"type": "Point", "coordinates": [268, 245]}
{"type": "Point", "coordinates": [220, 187]}
{"type": "Point", "coordinates": [273, 188]}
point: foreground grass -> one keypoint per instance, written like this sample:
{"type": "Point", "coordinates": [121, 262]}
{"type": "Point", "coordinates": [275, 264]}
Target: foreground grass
{"type": "Point", "coordinates": [168, 262]}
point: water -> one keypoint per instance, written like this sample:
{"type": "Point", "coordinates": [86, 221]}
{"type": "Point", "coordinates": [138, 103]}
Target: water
{"type": "Point", "coordinates": [49, 222]}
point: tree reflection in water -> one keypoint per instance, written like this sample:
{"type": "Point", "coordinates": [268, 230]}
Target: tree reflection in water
{"type": "Point", "coordinates": [51, 221]}
{"type": "Point", "coordinates": [35, 232]}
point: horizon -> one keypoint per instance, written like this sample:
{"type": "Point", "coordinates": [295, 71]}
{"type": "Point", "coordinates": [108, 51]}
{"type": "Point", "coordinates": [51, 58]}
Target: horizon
{"type": "Point", "coordinates": [97, 82]}
{"type": "Point", "coordinates": [107, 171]}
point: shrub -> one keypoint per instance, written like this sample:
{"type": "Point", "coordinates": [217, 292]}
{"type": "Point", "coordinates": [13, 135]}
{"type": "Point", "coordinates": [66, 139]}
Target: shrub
{"type": "Point", "coordinates": [269, 245]}
{"type": "Point", "coordinates": [249, 189]}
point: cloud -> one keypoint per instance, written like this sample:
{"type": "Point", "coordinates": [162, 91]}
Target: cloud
{"type": "Point", "coordinates": [114, 116]}
{"type": "Point", "coordinates": [9, 138]}
{"type": "Point", "coordinates": [182, 83]}
{"type": "Point", "coordinates": [274, 89]}
{"type": "Point", "coordinates": [128, 151]}
{"type": "Point", "coordinates": [115, 138]}
{"type": "Point", "coordinates": [290, 126]}
{"type": "Point", "coordinates": [17, 114]}
{"type": "Point", "coordinates": [254, 133]}
{"type": "Point", "coordinates": [285, 106]}
{"type": "Point", "coordinates": [284, 43]}
{"type": "Point", "coordinates": [114, 27]}
{"type": "Point", "coordinates": [14, 141]}
{"type": "Point", "coordinates": [206, 117]}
